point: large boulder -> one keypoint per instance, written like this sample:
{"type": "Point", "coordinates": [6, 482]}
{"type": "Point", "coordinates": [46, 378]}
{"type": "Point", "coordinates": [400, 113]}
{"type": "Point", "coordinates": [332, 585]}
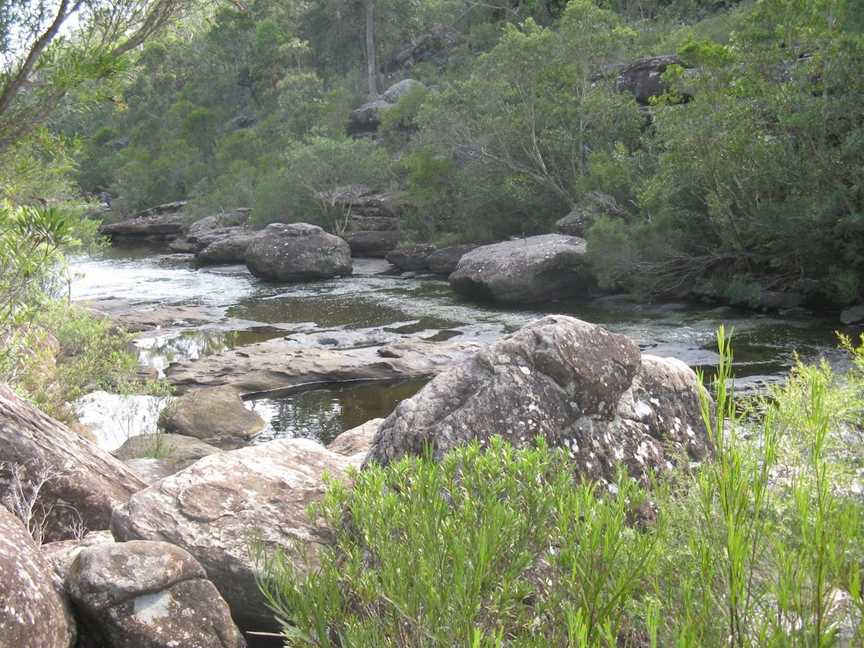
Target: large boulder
{"type": "Point", "coordinates": [533, 269]}
{"type": "Point", "coordinates": [163, 223]}
{"type": "Point", "coordinates": [643, 78]}
{"type": "Point", "coordinates": [372, 226]}
{"type": "Point", "coordinates": [216, 416]}
{"type": "Point", "coordinates": [444, 261]}
{"type": "Point", "coordinates": [212, 229]}
{"type": "Point", "coordinates": [148, 595]}
{"type": "Point", "coordinates": [401, 89]}
{"type": "Point", "coordinates": [411, 258]}
{"type": "Point", "coordinates": [229, 249]}
{"type": "Point", "coordinates": [71, 481]}
{"type": "Point", "coordinates": [367, 118]}
{"type": "Point", "coordinates": [33, 611]}
{"type": "Point", "coordinates": [298, 252]}
{"type": "Point", "coordinates": [575, 384]}
{"type": "Point", "coordinates": [218, 507]}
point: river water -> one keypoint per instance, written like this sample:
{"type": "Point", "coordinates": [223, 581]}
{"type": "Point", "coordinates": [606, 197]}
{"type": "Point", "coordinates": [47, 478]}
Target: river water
{"type": "Point", "coordinates": [241, 309]}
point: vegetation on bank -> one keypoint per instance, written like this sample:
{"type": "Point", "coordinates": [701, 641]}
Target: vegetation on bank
{"type": "Point", "coordinates": [747, 167]}
{"type": "Point", "coordinates": [52, 351]}
{"type": "Point", "coordinates": [760, 546]}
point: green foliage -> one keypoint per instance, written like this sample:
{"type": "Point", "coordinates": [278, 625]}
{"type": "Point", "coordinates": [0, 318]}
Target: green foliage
{"type": "Point", "coordinates": [296, 190]}
{"type": "Point", "coordinates": [758, 546]}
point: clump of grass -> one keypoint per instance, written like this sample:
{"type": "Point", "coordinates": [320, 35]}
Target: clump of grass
{"type": "Point", "coordinates": [505, 547]}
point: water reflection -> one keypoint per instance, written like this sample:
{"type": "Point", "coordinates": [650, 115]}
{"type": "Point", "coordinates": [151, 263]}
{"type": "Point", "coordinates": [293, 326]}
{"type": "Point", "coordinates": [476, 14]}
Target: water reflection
{"type": "Point", "coordinates": [324, 414]}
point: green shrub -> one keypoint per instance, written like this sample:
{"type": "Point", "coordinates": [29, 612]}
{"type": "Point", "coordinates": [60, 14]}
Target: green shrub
{"type": "Point", "coordinates": [501, 547]}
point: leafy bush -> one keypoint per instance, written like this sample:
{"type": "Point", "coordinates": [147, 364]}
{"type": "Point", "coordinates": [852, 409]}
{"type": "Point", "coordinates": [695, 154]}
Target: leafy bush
{"type": "Point", "coordinates": [293, 192]}
{"type": "Point", "coordinates": [760, 546]}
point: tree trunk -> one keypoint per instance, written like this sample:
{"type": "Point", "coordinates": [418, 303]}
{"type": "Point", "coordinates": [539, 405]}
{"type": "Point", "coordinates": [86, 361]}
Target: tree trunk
{"type": "Point", "coordinates": [371, 57]}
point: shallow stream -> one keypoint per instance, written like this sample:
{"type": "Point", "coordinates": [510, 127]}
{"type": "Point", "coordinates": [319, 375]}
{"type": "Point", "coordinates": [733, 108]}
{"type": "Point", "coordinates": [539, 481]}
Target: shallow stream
{"type": "Point", "coordinates": [225, 307]}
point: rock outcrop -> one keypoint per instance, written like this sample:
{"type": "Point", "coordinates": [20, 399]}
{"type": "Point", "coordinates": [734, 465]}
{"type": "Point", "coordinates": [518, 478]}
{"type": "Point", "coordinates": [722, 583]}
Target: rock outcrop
{"type": "Point", "coordinates": [372, 226]}
{"type": "Point", "coordinates": [229, 249]}
{"type": "Point", "coordinates": [163, 223]}
{"type": "Point", "coordinates": [148, 595]}
{"type": "Point", "coordinates": [278, 364]}
{"type": "Point", "coordinates": [211, 229]}
{"type": "Point", "coordinates": [643, 78]}
{"type": "Point", "coordinates": [73, 482]}
{"type": "Point", "coordinates": [533, 269]}
{"type": "Point", "coordinates": [33, 611]}
{"type": "Point", "coordinates": [594, 205]}
{"type": "Point", "coordinates": [215, 416]}
{"type": "Point", "coordinates": [444, 261]}
{"type": "Point", "coordinates": [298, 252]}
{"type": "Point", "coordinates": [575, 384]}
{"type": "Point", "coordinates": [367, 118]}
{"type": "Point", "coordinates": [411, 258]}
{"type": "Point", "coordinates": [219, 506]}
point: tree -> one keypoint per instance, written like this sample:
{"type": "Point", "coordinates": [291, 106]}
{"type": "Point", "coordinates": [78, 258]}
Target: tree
{"type": "Point", "coordinates": [49, 47]}
{"type": "Point", "coordinates": [371, 56]}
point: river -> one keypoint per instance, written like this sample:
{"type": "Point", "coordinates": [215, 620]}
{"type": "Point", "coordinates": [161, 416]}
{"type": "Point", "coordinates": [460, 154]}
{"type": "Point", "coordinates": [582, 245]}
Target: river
{"type": "Point", "coordinates": [240, 309]}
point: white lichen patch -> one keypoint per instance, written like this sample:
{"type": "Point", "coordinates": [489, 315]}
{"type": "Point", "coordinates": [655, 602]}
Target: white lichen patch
{"type": "Point", "coordinates": [149, 608]}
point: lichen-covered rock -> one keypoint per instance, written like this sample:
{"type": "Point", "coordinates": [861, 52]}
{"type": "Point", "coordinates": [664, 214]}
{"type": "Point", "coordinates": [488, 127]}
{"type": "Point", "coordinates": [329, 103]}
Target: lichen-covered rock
{"type": "Point", "coordinates": [148, 595]}
{"type": "Point", "coordinates": [33, 611]}
{"type": "Point", "coordinates": [216, 416]}
{"type": "Point", "coordinates": [575, 384]}
{"type": "Point", "coordinates": [356, 440]}
{"type": "Point", "coordinates": [62, 554]}
{"type": "Point", "coordinates": [297, 252]}
{"type": "Point", "coordinates": [533, 269]}
{"type": "Point", "coordinates": [155, 456]}
{"type": "Point", "coordinates": [218, 506]}
{"type": "Point", "coordinates": [80, 483]}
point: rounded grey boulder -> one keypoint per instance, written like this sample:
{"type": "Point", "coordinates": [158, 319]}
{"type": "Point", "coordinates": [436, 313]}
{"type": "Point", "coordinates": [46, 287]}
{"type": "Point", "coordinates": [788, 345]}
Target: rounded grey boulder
{"type": "Point", "coordinates": [148, 595]}
{"type": "Point", "coordinates": [298, 252]}
{"type": "Point", "coordinates": [533, 269]}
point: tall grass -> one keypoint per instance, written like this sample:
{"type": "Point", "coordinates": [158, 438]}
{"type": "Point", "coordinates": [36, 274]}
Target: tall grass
{"type": "Point", "coordinates": [759, 546]}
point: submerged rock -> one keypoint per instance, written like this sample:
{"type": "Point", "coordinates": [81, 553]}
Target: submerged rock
{"type": "Point", "coordinates": [216, 416]}
{"type": "Point", "coordinates": [218, 507]}
{"type": "Point", "coordinates": [575, 384]}
{"type": "Point", "coordinates": [533, 269]}
{"type": "Point", "coordinates": [148, 595]}
{"type": "Point", "coordinates": [852, 315]}
{"type": "Point", "coordinates": [33, 611]}
{"type": "Point", "coordinates": [279, 364]}
{"type": "Point", "coordinates": [297, 252]}
{"type": "Point", "coordinates": [77, 483]}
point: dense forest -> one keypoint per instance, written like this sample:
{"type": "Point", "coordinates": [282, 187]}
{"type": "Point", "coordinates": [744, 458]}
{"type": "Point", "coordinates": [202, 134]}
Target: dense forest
{"type": "Point", "coordinates": [735, 164]}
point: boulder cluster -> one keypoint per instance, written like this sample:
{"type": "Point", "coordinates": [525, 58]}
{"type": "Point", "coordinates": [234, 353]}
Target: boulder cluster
{"type": "Point", "coordinates": [103, 550]}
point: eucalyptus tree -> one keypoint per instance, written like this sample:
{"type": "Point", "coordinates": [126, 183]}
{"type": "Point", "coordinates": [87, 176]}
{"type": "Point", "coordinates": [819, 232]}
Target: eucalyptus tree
{"type": "Point", "coordinates": [49, 47]}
